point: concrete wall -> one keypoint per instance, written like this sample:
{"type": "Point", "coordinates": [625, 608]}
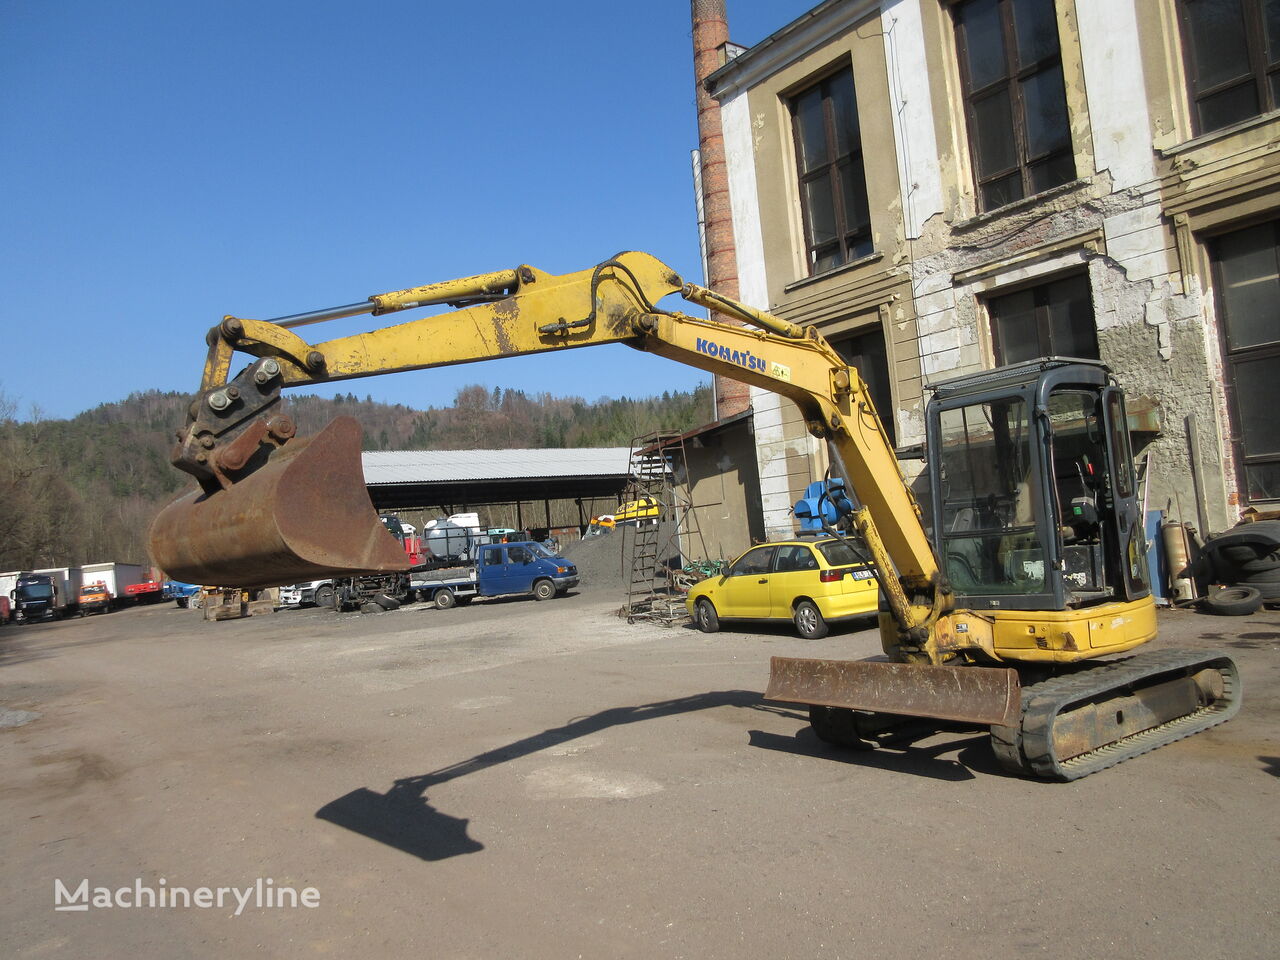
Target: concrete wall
{"type": "Point", "coordinates": [722, 483]}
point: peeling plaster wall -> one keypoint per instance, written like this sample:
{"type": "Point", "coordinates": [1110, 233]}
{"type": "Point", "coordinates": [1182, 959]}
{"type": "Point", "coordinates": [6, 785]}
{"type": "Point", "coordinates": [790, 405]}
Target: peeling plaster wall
{"type": "Point", "coordinates": [772, 446]}
{"type": "Point", "coordinates": [907, 58]}
{"type": "Point", "coordinates": [1151, 319]}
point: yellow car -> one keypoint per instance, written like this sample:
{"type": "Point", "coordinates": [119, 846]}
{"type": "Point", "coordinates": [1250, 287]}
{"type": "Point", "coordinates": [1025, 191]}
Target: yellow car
{"type": "Point", "coordinates": [809, 582]}
{"type": "Point", "coordinates": [646, 508]}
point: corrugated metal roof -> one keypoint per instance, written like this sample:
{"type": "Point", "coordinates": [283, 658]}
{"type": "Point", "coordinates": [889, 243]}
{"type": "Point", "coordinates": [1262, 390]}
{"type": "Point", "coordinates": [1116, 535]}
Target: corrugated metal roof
{"type": "Point", "coordinates": [441, 466]}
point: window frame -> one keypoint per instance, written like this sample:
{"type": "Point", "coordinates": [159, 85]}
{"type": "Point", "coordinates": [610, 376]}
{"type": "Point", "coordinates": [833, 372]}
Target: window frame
{"type": "Point", "coordinates": [1041, 303]}
{"type": "Point", "coordinates": [1261, 70]}
{"type": "Point", "coordinates": [1266, 351]}
{"type": "Point", "coordinates": [842, 344]}
{"type": "Point", "coordinates": [770, 548]}
{"type": "Point", "coordinates": [796, 548]}
{"type": "Point", "coordinates": [848, 242]}
{"type": "Point", "coordinates": [1011, 81]}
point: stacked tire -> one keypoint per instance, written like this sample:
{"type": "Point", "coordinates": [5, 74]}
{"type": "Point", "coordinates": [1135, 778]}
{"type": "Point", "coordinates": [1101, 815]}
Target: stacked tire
{"type": "Point", "coordinates": [1247, 559]}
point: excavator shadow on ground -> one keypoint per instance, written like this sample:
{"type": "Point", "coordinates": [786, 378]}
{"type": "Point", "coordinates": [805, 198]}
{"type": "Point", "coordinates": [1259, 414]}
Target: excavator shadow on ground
{"type": "Point", "coordinates": [404, 818]}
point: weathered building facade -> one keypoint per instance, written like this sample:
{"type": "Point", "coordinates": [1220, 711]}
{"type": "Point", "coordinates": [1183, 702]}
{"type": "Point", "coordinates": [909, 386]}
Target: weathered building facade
{"type": "Point", "coordinates": [942, 186]}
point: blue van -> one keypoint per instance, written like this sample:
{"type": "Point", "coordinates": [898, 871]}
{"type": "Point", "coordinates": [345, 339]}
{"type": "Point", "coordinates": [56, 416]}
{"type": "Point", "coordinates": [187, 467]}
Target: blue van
{"type": "Point", "coordinates": [500, 569]}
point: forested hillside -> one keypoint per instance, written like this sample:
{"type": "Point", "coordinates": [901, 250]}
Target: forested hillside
{"type": "Point", "coordinates": [85, 489]}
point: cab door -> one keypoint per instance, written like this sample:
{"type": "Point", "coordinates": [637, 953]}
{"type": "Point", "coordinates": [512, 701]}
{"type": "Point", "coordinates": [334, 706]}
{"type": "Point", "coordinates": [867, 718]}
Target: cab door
{"type": "Point", "coordinates": [522, 568]}
{"type": "Point", "coordinates": [745, 592]}
{"type": "Point", "coordinates": [493, 572]}
{"type": "Point", "coordinates": [1130, 533]}
{"type": "Point", "coordinates": [795, 574]}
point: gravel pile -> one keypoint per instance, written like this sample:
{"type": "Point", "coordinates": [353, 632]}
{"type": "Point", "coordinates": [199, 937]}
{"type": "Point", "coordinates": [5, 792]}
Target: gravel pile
{"type": "Point", "coordinates": [604, 561]}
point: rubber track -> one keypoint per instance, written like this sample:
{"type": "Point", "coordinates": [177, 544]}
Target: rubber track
{"type": "Point", "coordinates": [1028, 749]}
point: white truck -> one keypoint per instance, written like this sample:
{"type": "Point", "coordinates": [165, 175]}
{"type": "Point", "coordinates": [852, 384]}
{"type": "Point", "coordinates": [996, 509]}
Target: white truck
{"type": "Point", "coordinates": [115, 576]}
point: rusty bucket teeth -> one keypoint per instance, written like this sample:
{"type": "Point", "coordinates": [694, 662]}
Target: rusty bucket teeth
{"type": "Point", "coordinates": [304, 515]}
{"type": "Point", "coordinates": [980, 695]}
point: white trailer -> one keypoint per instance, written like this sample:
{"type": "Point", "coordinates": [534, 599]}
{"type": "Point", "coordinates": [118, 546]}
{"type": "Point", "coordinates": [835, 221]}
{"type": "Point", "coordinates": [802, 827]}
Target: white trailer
{"type": "Point", "coordinates": [8, 582]}
{"type": "Point", "coordinates": [116, 576]}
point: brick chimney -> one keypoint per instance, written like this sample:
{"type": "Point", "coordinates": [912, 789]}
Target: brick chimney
{"type": "Point", "coordinates": [710, 34]}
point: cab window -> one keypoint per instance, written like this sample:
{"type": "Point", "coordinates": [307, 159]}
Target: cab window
{"type": "Point", "coordinates": [752, 562]}
{"type": "Point", "coordinates": [519, 555]}
{"type": "Point", "coordinates": [493, 558]}
{"type": "Point", "coordinates": [794, 557]}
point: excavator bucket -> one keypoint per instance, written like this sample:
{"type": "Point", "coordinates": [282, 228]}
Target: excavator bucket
{"type": "Point", "coordinates": [304, 515]}
{"type": "Point", "coordinates": [979, 695]}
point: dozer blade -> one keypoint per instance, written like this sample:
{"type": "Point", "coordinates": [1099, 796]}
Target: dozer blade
{"type": "Point", "coordinates": [980, 695]}
{"type": "Point", "coordinates": [304, 515]}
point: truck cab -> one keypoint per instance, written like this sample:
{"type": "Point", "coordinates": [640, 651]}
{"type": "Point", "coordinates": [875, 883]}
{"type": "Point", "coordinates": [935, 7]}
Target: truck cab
{"type": "Point", "coordinates": [508, 568]}
{"type": "Point", "coordinates": [95, 598]}
{"type": "Point", "coordinates": [35, 598]}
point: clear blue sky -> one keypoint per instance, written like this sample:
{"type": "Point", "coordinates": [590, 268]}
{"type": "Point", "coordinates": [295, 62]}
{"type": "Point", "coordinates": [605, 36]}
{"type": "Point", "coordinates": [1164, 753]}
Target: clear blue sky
{"type": "Point", "coordinates": [166, 163]}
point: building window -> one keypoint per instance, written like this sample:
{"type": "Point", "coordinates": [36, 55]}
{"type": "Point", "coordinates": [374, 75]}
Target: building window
{"type": "Point", "coordinates": [1247, 277]}
{"type": "Point", "coordinates": [1050, 320]}
{"type": "Point", "coordinates": [833, 187]}
{"type": "Point", "coordinates": [1015, 102]}
{"type": "Point", "coordinates": [1232, 50]}
{"type": "Point", "coordinates": [866, 353]}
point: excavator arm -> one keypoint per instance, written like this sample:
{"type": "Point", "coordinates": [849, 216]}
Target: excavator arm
{"type": "Point", "coordinates": [274, 508]}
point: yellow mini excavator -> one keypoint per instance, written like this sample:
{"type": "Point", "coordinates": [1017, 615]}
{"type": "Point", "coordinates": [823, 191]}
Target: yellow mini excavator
{"type": "Point", "coordinates": [1036, 570]}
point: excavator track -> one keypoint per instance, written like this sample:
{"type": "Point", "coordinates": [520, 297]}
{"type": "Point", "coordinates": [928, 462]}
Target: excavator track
{"type": "Point", "coordinates": [1079, 723]}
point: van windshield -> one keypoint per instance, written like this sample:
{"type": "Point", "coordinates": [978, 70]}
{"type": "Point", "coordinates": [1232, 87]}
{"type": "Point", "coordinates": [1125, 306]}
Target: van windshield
{"type": "Point", "coordinates": [35, 591]}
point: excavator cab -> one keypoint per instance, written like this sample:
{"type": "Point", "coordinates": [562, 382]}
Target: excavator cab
{"type": "Point", "coordinates": [1035, 504]}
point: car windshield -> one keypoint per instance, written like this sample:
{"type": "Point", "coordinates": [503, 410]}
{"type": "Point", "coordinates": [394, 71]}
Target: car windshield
{"type": "Point", "coordinates": [838, 553]}
{"type": "Point", "coordinates": [542, 551]}
{"type": "Point", "coordinates": [88, 591]}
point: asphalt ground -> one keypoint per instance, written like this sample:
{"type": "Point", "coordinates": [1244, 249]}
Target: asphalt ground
{"type": "Point", "coordinates": [522, 779]}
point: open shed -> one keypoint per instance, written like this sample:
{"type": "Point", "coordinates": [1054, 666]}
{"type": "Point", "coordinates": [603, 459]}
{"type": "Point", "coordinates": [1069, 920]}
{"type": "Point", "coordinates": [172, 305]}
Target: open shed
{"type": "Point", "coordinates": [546, 487]}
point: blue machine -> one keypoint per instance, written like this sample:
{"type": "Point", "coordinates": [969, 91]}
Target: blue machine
{"type": "Point", "coordinates": [825, 503]}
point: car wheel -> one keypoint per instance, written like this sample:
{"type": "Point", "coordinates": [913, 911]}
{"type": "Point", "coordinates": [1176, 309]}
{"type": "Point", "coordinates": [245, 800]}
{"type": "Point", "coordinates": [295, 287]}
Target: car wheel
{"type": "Point", "coordinates": [444, 599]}
{"type": "Point", "coordinates": [708, 619]}
{"type": "Point", "coordinates": [809, 621]}
{"type": "Point", "coordinates": [544, 590]}
{"type": "Point", "coordinates": [324, 596]}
